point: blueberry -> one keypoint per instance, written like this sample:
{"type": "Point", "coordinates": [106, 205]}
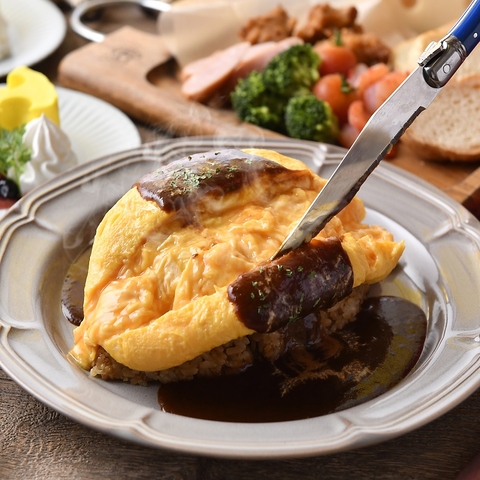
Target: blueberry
{"type": "Point", "coordinates": [9, 189]}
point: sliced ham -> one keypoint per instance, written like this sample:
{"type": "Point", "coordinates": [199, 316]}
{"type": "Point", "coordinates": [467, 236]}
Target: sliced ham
{"type": "Point", "coordinates": [218, 74]}
{"type": "Point", "coordinates": [210, 73]}
{"type": "Point", "coordinates": [259, 55]}
{"type": "Point", "coordinates": [197, 66]}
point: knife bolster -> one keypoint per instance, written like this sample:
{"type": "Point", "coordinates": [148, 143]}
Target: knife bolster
{"type": "Point", "coordinates": [439, 68]}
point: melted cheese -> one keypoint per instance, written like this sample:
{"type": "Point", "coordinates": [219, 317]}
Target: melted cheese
{"type": "Point", "coordinates": [155, 294]}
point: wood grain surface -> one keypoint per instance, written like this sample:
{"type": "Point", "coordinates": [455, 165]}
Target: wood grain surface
{"type": "Point", "coordinates": [39, 443]}
{"type": "Point", "coordinates": [131, 70]}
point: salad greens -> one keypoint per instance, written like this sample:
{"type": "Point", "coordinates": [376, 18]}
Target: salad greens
{"type": "Point", "coordinates": [13, 153]}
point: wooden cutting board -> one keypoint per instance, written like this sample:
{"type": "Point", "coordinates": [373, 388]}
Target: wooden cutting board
{"type": "Point", "coordinates": [133, 70]}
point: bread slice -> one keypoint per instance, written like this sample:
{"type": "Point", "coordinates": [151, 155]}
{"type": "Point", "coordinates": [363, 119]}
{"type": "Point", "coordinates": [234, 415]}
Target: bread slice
{"type": "Point", "coordinates": [406, 54]}
{"type": "Point", "coordinates": [450, 128]}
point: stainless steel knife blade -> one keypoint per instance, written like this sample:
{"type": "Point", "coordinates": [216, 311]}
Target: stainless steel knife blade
{"type": "Point", "coordinates": [436, 66]}
{"type": "Point", "coordinates": [383, 129]}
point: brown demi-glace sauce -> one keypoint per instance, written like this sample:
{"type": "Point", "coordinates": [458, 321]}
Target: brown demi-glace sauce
{"type": "Point", "coordinates": [384, 342]}
{"type": "Point", "coordinates": [314, 277]}
{"type": "Point", "coordinates": [73, 287]}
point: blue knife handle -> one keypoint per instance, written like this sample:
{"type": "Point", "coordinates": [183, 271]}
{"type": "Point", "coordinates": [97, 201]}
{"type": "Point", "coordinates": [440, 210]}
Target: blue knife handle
{"type": "Point", "coordinates": [467, 29]}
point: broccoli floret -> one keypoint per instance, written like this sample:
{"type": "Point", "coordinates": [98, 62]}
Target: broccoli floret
{"type": "Point", "coordinates": [254, 104]}
{"type": "Point", "coordinates": [308, 118]}
{"type": "Point", "coordinates": [292, 72]}
{"type": "Point", "coordinates": [261, 98]}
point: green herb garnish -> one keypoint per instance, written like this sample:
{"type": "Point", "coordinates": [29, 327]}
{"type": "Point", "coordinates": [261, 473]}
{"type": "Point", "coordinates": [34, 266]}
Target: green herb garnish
{"type": "Point", "coordinates": [13, 153]}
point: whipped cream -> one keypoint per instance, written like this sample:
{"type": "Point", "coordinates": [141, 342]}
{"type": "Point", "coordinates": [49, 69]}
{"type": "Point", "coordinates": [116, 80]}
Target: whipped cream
{"type": "Point", "coordinates": [51, 153]}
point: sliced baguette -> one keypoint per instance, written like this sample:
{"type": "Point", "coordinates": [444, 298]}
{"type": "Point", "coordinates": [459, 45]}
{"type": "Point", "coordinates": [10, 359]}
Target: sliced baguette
{"type": "Point", "coordinates": [450, 128]}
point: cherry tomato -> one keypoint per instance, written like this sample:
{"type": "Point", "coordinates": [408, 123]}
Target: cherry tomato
{"type": "Point", "coordinates": [6, 203]}
{"type": "Point", "coordinates": [379, 91]}
{"type": "Point", "coordinates": [370, 76]}
{"type": "Point", "coordinates": [337, 92]}
{"type": "Point", "coordinates": [355, 73]}
{"type": "Point", "coordinates": [392, 153]}
{"type": "Point", "coordinates": [335, 58]}
{"type": "Point", "coordinates": [347, 135]}
{"type": "Point", "coordinates": [358, 115]}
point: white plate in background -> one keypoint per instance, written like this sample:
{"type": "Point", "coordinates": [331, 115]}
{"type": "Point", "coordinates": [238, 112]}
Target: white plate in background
{"type": "Point", "coordinates": [35, 29]}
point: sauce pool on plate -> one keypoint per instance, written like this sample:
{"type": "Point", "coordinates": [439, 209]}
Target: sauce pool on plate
{"type": "Point", "coordinates": [362, 361]}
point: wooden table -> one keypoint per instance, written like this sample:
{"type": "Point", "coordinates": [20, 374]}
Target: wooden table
{"type": "Point", "coordinates": [37, 442]}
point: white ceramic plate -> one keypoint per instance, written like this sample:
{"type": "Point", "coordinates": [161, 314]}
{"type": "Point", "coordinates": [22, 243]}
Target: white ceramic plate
{"type": "Point", "coordinates": [44, 232]}
{"type": "Point", "coordinates": [35, 29]}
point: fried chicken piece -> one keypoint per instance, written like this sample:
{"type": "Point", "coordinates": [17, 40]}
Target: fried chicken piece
{"type": "Point", "coordinates": [323, 20]}
{"type": "Point", "coordinates": [275, 25]}
{"type": "Point", "coordinates": [368, 47]}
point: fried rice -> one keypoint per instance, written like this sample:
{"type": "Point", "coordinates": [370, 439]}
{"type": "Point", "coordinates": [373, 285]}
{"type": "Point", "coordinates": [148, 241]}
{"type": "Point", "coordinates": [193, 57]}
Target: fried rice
{"type": "Point", "coordinates": [235, 356]}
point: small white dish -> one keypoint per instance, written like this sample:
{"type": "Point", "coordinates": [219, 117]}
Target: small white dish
{"type": "Point", "coordinates": [35, 29]}
{"type": "Point", "coordinates": [95, 128]}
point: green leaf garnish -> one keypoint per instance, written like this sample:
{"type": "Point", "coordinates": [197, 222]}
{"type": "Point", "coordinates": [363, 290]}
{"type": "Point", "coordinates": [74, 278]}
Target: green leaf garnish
{"type": "Point", "coordinates": [13, 153]}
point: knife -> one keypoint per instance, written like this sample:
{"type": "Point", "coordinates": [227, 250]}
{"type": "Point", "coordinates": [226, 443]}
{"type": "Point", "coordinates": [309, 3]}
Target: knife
{"type": "Point", "coordinates": [437, 64]}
